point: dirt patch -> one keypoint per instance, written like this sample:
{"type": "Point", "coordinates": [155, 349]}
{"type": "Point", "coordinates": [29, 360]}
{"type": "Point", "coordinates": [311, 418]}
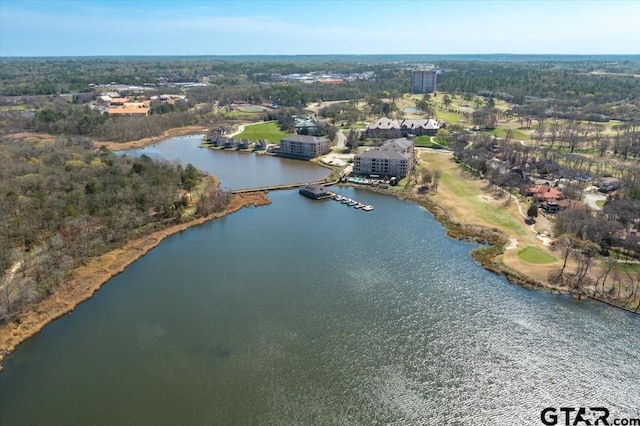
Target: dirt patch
{"type": "Point", "coordinates": [32, 137]}
{"type": "Point", "coordinates": [513, 244]}
{"type": "Point", "coordinates": [86, 280]}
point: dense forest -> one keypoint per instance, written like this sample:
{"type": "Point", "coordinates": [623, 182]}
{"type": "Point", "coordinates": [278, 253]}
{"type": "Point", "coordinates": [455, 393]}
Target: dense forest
{"type": "Point", "coordinates": [63, 202]}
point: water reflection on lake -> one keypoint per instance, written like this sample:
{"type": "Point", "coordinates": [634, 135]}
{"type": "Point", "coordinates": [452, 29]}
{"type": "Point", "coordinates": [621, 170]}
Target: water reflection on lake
{"type": "Point", "coordinates": [236, 170]}
{"type": "Point", "coordinates": [313, 312]}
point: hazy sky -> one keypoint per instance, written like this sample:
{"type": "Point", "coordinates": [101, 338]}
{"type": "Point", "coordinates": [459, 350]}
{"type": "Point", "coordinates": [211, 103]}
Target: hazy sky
{"type": "Point", "coordinates": [84, 27]}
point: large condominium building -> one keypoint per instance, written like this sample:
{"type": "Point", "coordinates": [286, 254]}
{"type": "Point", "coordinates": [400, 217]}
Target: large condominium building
{"type": "Point", "coordinates": [303, 147]}
{"type": "Point", "coordinates": [394, 158]}
{"type": "Point", "coordinates": [388, 128]}
{"type": "Point", "coordinates": [423, 81]}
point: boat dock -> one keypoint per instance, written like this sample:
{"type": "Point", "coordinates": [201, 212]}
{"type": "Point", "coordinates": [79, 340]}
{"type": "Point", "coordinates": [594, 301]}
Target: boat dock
{"type": "Point", "coordinates": [319, 192]}
{"type": "Point", "coordinates": [351, 203]}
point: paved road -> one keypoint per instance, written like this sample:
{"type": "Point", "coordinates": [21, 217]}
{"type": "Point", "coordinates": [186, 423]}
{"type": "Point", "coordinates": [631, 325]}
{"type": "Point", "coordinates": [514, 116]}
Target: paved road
{"type": "Point", "coordinates": [342, 140]}
{"type": "Point", "coordinates": [590, 200]}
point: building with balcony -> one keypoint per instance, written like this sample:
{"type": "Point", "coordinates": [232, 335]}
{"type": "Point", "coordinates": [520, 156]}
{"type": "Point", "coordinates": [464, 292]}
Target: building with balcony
{"type": "Point", "coordinates": [303, 147]}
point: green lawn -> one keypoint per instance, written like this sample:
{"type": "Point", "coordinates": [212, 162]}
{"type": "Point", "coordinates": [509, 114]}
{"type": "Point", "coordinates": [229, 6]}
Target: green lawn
{"type": "Point", "coordinates": [268, 131]}
{"type": "Point", "coordinates": [533, 255]}
{"type": "Point", "coordinates": [490, 213]}
{"type": "Point", "coordinates": [449, 117]}
{"type": "Point", "coordinates": [360, 126]}
{"type": "Point", "coordinates": [424, 141]}
{"type": "Point", "coordinates": [428, 142]}
{"type": "Point", "coordinates": [501, 132]}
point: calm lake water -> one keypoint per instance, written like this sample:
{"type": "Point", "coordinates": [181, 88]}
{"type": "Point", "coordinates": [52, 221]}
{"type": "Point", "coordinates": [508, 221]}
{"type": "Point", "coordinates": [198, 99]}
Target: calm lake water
{"type": "Point", "coordinates": [236, 170]}
{"type": "Point", "coordinates": [312, 312]}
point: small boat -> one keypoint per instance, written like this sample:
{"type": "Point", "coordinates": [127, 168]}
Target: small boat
{"type": "Point", "coordinates": [352, 203]}
{"type": "Point", "coordinates": [345, 200]}
{"type": "Point", "coordinates": [358, 205]}
{"type": "Point", "coordinates": [338, 197]}
{"type": "Point", "coordinates": [367, 208]}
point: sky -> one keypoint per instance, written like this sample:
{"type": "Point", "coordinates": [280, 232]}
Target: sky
{"type": "Point", "coordinates": [298, 27]}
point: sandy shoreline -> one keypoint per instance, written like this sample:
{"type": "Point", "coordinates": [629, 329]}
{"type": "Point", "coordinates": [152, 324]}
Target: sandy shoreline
{"type": "Point", "coordinates": [87, 279]}
{"type": "Point", "coordinates": [115, 146]}
{"type": "Point", "coordinates": [180, 131]}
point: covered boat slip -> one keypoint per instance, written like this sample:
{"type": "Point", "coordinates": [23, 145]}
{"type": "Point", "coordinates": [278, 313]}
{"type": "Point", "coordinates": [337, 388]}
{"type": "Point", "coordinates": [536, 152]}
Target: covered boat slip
{"type": "Point", "coordinates": [319, 192]}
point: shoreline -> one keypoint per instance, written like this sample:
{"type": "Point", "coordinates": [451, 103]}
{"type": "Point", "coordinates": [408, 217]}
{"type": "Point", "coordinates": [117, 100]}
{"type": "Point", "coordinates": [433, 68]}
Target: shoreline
{"type": "Point", "coordinates": [141, 143]}
{"type": "Point", "coordinates": [89, 278]}
{"type": "Point", "coordinates": [495, 241]}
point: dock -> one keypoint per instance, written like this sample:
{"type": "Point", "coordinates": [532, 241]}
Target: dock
{"type": "Point", "coordinates": [319, 192]}
{"type": "Point", "coordinates": [351, 203]}
{"type": "Point", "coordinates": [315, 191]}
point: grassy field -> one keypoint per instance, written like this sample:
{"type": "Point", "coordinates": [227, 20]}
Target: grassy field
{"type": "Point", "coordinates": [268, 131]}
{"type": "Point", "coordinates": [501, 131]}
{"type": "Point", "coordinates": [467, 199]}
{"type": "Point", "coordinates": [533, 255]}
{"type": "Point", "coordinates": [360, 126]}
{"type": "Point", "coordinates": [449, 117]}
{"type": "Point", "coordinates": [430, 142]}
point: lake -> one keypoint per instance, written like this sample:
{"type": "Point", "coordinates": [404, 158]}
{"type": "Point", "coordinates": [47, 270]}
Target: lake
{"type": "Point", "coordinates": [235, 169]}
{"type": "Point", "coordinates": [312, 312]}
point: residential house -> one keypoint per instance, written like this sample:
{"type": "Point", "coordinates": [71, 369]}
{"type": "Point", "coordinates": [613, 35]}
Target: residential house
{"type": "Point", "coordinates": [556, 206]}
{"type": "Point", "coordinates": [303, 147]}
{"type": "Point", "coordinates": [543, 193]}
{"type": "Point", "coordinates": [608, 184]}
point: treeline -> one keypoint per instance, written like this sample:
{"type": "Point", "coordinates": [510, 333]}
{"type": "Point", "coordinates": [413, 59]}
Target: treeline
{"type": "Point", "coordinates": [40, 76]}
{"type": "Point", "coordinates": [515, 82]}
{"type": "Point", "coordinates": [56, 116]}
{"type": "Point", "coordinates": [64, 202]}
{"type": "Point", "coordinates": [579, 91]}
{"type": "Point", "coordinates": [595, 90]}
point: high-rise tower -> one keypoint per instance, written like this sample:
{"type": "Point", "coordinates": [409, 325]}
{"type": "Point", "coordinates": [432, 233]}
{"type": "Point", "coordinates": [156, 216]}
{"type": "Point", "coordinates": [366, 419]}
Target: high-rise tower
{"type": "Point", "coordinates": [424, 81]}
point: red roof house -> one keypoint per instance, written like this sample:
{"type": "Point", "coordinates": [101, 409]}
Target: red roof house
{"type": "Point", "coordinates": [543, 193]}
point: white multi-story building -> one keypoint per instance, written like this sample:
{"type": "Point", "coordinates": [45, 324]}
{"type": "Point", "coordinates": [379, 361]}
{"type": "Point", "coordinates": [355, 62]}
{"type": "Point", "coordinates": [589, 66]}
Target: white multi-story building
{"type": "Point", "coordinates": [304, 147]}
{"type": "Point", "coordinates": [394, 158]}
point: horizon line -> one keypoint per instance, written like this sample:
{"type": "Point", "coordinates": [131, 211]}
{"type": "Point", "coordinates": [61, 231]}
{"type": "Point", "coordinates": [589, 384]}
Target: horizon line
{"type": "Point", "coordinates": [312, 54]}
